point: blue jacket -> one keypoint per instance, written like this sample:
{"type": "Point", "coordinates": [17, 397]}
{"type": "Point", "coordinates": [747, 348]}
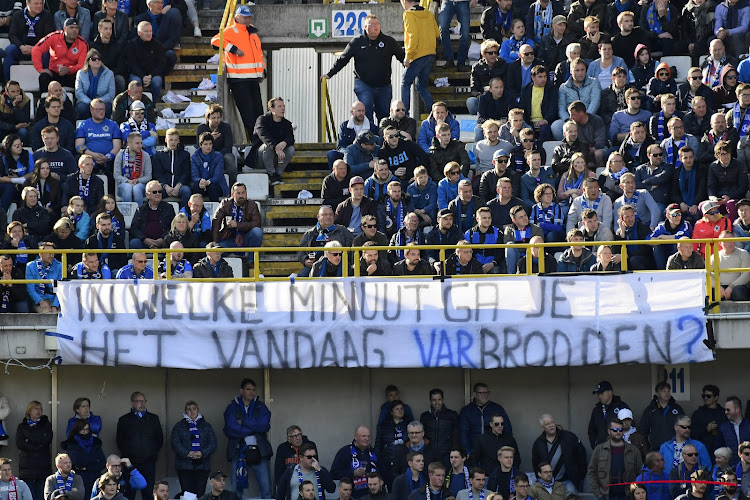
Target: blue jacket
{"type": "Point", "coordinates": [213, 170]}
{"type": "Point", "coordinates": [667, 452]}
{"type": "Point", "coordinates": [596, 67]}
{"type": "Point", "coordinates": [204, 226]}
{"type": "Point", "coordinates": [357, 158]}
{"type": "Point", "coordinates": [342, 465]}
{"type": "Point", "coordinates": [149, 141]}
{"type": "Point", "coordinates": [39, 291]}
{"type": "Point", "coordinates": [684, 230]}
{"type": "Point", "coordinates": [95, 424]}
{"type": "Point", "coordinates": [130, 482]}
{"type": "Point", "coordinates": [473, 421]}
{"type": "Point", "coordinates": [590, 93]}
{"type": "Point", "coordinates": [105, 88]}
{"type": "Point", "coordinates": [347, 135]}
{"type": "Point", "coordinates": [425, 199]}
{"type": "Point", "coordinates": [447, 191]}
{"type": "Point", "coordinates": [656, 491]}
{"type": "Point", "coordinates": [743, 21]}
{"type": "Point", "coordinates": [427, 131]}
{"type": "Point", "coordinates": [529, 183]}
{"type": "Point", "coordinates": [126, 273]}
{"type": "Point", "coordinates": [726, 436]}
{"type": "Point", "coordinates": [88, 459]}
{"type": "Point", "coordinates": [241, 422]}
{"type": "Point", "coordinates": [182, 445]}
{"type": "Point", "coordinates": [82, 227]}
{"type": "Point", "coordinates": [162, 170]}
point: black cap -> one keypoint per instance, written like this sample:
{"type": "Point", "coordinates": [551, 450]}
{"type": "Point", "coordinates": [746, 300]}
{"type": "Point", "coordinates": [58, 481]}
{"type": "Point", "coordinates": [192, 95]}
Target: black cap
{"type": "Point", "coordinates": [444, 213]}
{"type": "Point", "coordinates": [217, 473]}
{"type": "Point", "coordinates": [71, 21]}
{"type": "Point", "coordinates": [604, 385]}
{"type": "Point", "coordinates": [366, 137]}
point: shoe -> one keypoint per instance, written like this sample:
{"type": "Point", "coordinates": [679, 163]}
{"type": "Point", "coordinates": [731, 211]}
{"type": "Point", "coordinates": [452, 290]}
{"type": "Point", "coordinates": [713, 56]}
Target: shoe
{"type": "Point", "coordinates": [177, 46]}
{"type": "Point", "coordinates": [276, 180]}
{"type": "Point", "coordinates": [462, 68]}
{"type": "Point", "coordinates": [197, 32]}
{"type": "Point", "coordinates": [449, 64]}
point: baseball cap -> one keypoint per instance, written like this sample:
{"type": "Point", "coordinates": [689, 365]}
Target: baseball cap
{"type": "Point", "coordinates": [71, 21]}
{"type": "Point", "coordinates": [444, 213]}
{"type": "Point", "coordinates": [366, 137]}
{"type": "Point", "coordinates": [217, 473]}
{"type": "Point", "coordinates": [674, 207]}
{"type": "Point", "coordinates": [709, 205]}
{"type": "Point", "coordinates": [356, 180]}
{"type": "Point", "coordinates": [243, 10]}
{"type": "Point", "coordinates": [559, 19]}
{"type": "Point", "coordinates": [499, 153]}
{"type": "Point", "coordinates": [137, 105]}
{"type": "Point", "coordinates": [604, 385]}
{"type": "Point", "coordinates": [624, 413]}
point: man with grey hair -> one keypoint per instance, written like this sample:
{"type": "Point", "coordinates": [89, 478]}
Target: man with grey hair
{"type": "Point", "coordinates": [563, 451]}
{"type": "Point", "coordinates": [671, 450]}
{"type": "Point", "coordinates": [416, 442]}
{"type": "Point", "coordinates": [330, 264]}
{"type": "Point", "coordinates": [354, 460]}
{"type": "Point", "coordinates": [324, 231]}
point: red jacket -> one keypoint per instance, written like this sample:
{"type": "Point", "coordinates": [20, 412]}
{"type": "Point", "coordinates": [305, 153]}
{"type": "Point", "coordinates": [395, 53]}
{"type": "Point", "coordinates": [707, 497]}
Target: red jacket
{"type": "Point", "coordinates": [60, 54]}
{"type": "Point", "coordinates": [705, 229]}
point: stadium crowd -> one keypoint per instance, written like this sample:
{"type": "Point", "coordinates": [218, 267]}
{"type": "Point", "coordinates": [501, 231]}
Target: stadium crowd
{"type": "Point", "coordinates": [444, 454]}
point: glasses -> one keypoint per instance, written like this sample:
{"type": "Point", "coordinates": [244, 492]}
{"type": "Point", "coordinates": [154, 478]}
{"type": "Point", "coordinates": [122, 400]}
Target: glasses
{"type": "Point", "coordinates": [731, 77]}
{"type": "Point", "coordinates": [400, 109]}
{"type": "Point", "coordinates": [392, 136]}
{"type": "Point", "coordinates": [310, 457]}
{"type": "Point", "coordinates": [662, 73]}
{"type": "Point", "coordinates": [490, 52]}
{"type": "Point", "coordinates": [95, 59]}
{"type": "Point", "coordinates": [695, 77]}
{"type": "Point", "coordinates": [140, 400]}
{"type": "Point", "coordinates": [657, 154]}
{"type": "Point", "coordinates": [527, 54]}
{"type": "Point", "coordinates": [686, 427]}
{"type": "Point", "coordinates": [454, 172]}
{"type": "Point", "coordinates": [616, 429]}
{"type": "Point", "coordinates": [714, 212]}
{"type": "Point", "coordinates": [498, 424]}
{"type": "Point", "coordinates": [707, 396]}
{"type": "Point", "coordinates": [335, 254]}
{"type": "Point", "coordinates": [690, 454]}
{"type": "Point", "coordinates": [296, 435]}
{"type": "Point", "coordinates": [636, 98]}
{"type": "Point", "coordinates": [500, 160]}
{"type": "Point", "coordinates": [370, 226]}
{"type": "Point", "coordinates": [156, 192]}
{"type": "Point", "coordinates": [416, 433]}
{"type": "Point", "coordinates": [675, 214]}
{"type": "Point", "coordinates": [527, 140]}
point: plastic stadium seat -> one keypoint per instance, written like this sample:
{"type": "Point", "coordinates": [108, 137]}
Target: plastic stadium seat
{"type": "Point", "coordinates": [682, 63]}
{"type": "Point", "coordinates": [236, 264]}
{"type": "Point", "coordinates": [12, 208]}
{"type": "Point", "coordinates": [27, 76]}
{"type": "Point", "coordinates": [549, 148]}
{"type": "Point", "coordinates": [257, 185]}
{"type": "Point", "coordinates": [4, 42]}
{"type": "Point", "coordinates": [106, 183]}
{"type": "Point", "coordinates": [32, 104]}
{"type": "Point", "coordinates": [211, 207]}
{"type": "Point", "coordinates": [128, 209]}
{"type": "Point", "coordinates": [176, 206]}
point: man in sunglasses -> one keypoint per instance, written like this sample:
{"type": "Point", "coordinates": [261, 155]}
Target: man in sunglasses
{"type": "Point", "coordinates": [406, 126]}
{"type": "Point", "coordinates": [613, 461]}
{"type": "Point", "coordinates": [710, 226]}
{"type": "Point", "coordinates": [489, 66]}
{"type": "Point", "coordinates": [719, 131]}
{"type": "Point", "coordinates": [619, 127]}
{"type": "Point", "coordinates": [686, 471]}
{"type": "Point", "coordinates": [706, 419]}
{"type": "Point", "coordinates": [692, 88]}
{"type": "Point", "coordinates": [655, 177]}
{"type": "Point", "coordinates": [488, 183]}
{"type": "Point", "coordinates": [671, 450]}
{"type": "Point", "coordinates": [308, 469]}
{"type": "Point", "coordinates": [143, 232]}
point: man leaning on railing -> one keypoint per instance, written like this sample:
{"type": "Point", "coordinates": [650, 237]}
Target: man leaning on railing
{"type": "Point", "coordinates": [734, 285]}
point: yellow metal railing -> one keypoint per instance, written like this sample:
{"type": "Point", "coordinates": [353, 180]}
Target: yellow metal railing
{"type": "Point", "coordinates": [327, 122]}
{"type": "Point", "coordinates": [226, 18]}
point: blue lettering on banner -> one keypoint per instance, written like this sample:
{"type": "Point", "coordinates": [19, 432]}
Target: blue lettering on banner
{"type": "Point", "coordinates": [463, 323]}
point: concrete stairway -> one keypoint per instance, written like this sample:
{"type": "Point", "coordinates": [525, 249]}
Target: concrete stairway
{"type": "Point", "coordinates": [286, 216]}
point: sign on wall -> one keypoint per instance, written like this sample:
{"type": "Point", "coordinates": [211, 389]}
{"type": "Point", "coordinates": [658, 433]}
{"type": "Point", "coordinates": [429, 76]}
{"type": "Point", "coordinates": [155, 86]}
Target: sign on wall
{"type": "Point", "coordinates": [317, 28]}
{"type": "Point", "coordinates": [348, 23]}
{"type": "Point", "coordinates": [470, 323]}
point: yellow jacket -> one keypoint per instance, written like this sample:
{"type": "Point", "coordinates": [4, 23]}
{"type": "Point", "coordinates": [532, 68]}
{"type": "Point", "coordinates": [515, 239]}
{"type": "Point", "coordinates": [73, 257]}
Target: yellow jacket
{"type": "Point", "coordinates": [420, 33]}
{"type": "Point", "coordinates": [245, 38]}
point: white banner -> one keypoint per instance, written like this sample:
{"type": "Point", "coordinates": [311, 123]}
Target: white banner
{"type": "Point", "coordinates": [393, 323]}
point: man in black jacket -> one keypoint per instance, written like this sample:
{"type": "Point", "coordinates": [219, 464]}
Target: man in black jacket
{"type": "Point", "coordinates": [143, 235]}
{"type": "Point", "coordinates": [569, 466]}
{"type": "Point", "coordinates": [221, 131]}
{"type": "Point", "coordinates": [543, 116]}
{"type": "Point", "coordinates": [147, 59]}
{"type": "Point", "coordinates": [335, 188]}
{"type": "Point", "coordinates": [171, 168]}
{"type": "Point", "coordinates": [273, 139]}
{"type": "Point", "coordinates": [603, 413]}
{"type": "Point", "coordinates": [111, 51]}
{"type": "Point", "coordinates": [104, 239]}
{"type": "Point", "coordinates": [440, 424]}
{"type": "Point", "coordinates": [84, 184]}
{"type": "Point", "coordinates": [139, 437]}
{"type": "Point", "coordinates": [308, 469]}
{"type": "Point", "coordinates": [123, 101]}
{"type": "Point", "coordinates": [514, 78]}
{"type": "Point", "coordinates": [372, 53]}
{"type": "Point", "coordinates": [485, 452]}
{"type": "Point", "coordinates": [288, 452]}
{"type": "Point", "coordinates": [212, 265]}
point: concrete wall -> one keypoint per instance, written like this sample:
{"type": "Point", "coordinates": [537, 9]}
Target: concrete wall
{"type": "Point", "coordinates": [329, 403]}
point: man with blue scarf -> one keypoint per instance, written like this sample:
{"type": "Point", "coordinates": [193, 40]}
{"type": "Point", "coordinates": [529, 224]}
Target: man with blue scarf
{"type": "Point", "coordinates": [520, 231]}
{"type": "Point", "coordinates": [64, 483]}
{"type": "Point", "coordinates": [394, 209]}
{"type": "Point", "coordinates": [329, 265]}
{"type": "Point", "coordinates": [137, 270]}
{"type": "Point", "coordinates": [320, 234]}
{"type": "Point", "coordinates": [412, 479]}
{"type": "Point", "coordinates": [45, 267]}
{"type": "Point", "coordinates": [355, 460]}
{"type": "Point", "coordinates": [464, 206]}
{"type": "Point", "coordinates": [640, 257]}
{"type": "Point", "coordinates": [90, 269]}
{"type": "Point", "coordinates": [308, 469]}
{"type": "Point", "coordinates": [237, 221]}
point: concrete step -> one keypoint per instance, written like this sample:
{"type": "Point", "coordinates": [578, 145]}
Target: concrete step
{"type": "Point", "coordinates": [290, 189]}
{"type": "Point", "coordinates": [314, 146]}
{"type": "Point", "coordinates": [184, 130]}
{"type": "Point", "coordinates": [281, 212]}
{"type": "Point", "coordinates": [279, 268]}
{"type": "Point", "coordinates": [302, 174]}
{"type": "Point", "coordinates": [206, 51]}
{"type": "Point", "coordinates": [284, 202]}
{"type": "Point", "coordinates": [281, 240]}
{"type": "Point", "coordinates": [195, 67]}
{"type": "Point", "coordinates": [309, 157]}
{"type": "Point", "coordinates": [180, 106]}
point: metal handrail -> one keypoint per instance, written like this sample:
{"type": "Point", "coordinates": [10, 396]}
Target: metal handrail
{"type": "Point", "coordinates": [327, 123]}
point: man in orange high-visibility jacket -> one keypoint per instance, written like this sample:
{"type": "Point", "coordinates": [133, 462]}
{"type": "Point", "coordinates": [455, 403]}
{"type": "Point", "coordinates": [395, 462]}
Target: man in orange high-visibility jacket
{"type": "Point", "coordinates": [244, 65]}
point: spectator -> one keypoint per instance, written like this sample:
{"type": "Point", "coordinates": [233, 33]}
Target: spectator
{"type": "Point", "coordinates": [167, 26]}
{"type": "Point", "coordinates": [591, 131]}
{"type": "Point", "coordinates": [237, 222]}
{"type": "Point", "coordinates": [350, 129]}
{"type": "Point", "coordinates": [445, 149]}
{"type": "Point", "coordinates": [614, 97]}
{"type": "Point", "coordinates": [472, 415]}
{"type": "Point", "coordinates": [199, 220]}
{"type": "Point", "coordinates": [442, 233]}
{"type": "Point", "coordinates": [13, 299]}
{"type": "Point", "coordinates": [490, 178]}
{"type": "Point", "coordinates": [148, 60]}
{"type": "Point", "coordinates": [221, 131]}
{"type": "Point", "coordinates": [545, 476]}
{"type": "Point", "coordinates": [124, 100]}
{"type": "Point", "coordinates": [464, 206]}
{"type": "Point", "coordinates": [27, 27]}
{"type": "Point", "coordinates": [492, 260]}
{"type": "Point", "coordinates": [288, 452]}
{"type": "Point", "coordinates": [207, 166]}
{"type": "Point", "coordinates": [503, 204]}
{"type": "Point", "coordinates": [538, 110]}
{"type": "Point", "coordinates": [741, 225]}
{"type": "Point", "coordinates": [671, 449]}
{"type": "Point", "coordinates": [550, 266]}
{"type": "Point", "coordinates": [246, 66]}
{"type": "Point", "coordinates": [427, 130]}
{"type": "Point", "coordinates": [673, 228]}
{"type": "Point", "coordinates": [366, 461]}
{"type": "Point", "coordinates": [571, 181]}
{"type": "Point", "coordinates": [553, 44]}
{"type": "Point", "coordinates": [725, 94]}
{"type": "Point", "coordinates": [309, 469]}
{"type": "Point", "coordinates": [660, 418]}
{"type": "Point", "coordinates": [698, 121]}
{"type": "Point", "coordinates": [132, 170]}
{"type": "Point", "coordinates": [32, 215]}
{"type": "Point", "coordinates": [676, 140]}
{"type": "Point", "coordinates": [409, 233]}
{"type": "Point", "coordinates": [106, 238]}
{"type": "Point", "coordinates": [412, 265]}
{"type": "Point", "coordinates": [15, 111]}
{"type": "Point", "coordinates": [630, 37]}
{"type": "Point", "coordinates": [139, 432]}
{"type": "Point", "coordinates": [371, 234]}
{"type": "Point", "coordinates": [67, 51]}
{"type": "Point", "coordinates": [714, 64]}
{"type": "Point", "coordinates": [735, 430]}
{"type": "Point", "coordinates": [640, 257]}
{"type": "Point", "coordinates": [487, 447]}
{"type": "Point", "coordinates": [685, 258]}
{"type": "Point", "coordinates": [99, 137]}
{"type": "Point", "coordinates": [107, 487]}
{"type": "Point", "coordinates": [660, 119]}
{"type": "Point", "coordinates": [273, 139]}
{"type": "Point", "coordinates": [68, 112]}
{"type": "Point", "coordinates": [493, 105]}
{"type": "Point", "coordinates": [84, 184]}
{"type": "Point", "coordinates": [324, 231]}
{"type": "Point", "coordinates": [152, 220]}
{"type": "Point", "coordinates": [349, 212]}
{"type": "Point", "coordinates": [592, 197]}
{"type": "Point", "coordinates": [601, 69]}
{"type": "Point", "coordinates": [510, 131]}
{"type": "Point", "coordinates": [489, 66]}
{"type": "Point", "coordinates": [486, 147]}
{"type": "Point", "coordinates": [693, 88]}
{"type": "Point", "coordinates": [572, 461]}
{"type": "Point", "coordinates": [609, 180]}
{"type": "Point", "coordinates": [414, 477]}
{"type": "Point", "coordinates": [503, 479]}
{"type": "Point", "coordinates": [361, 155]}
{"type": "Point", "coordinates": [602, 467]}
{"type": "Point", "coordinates": [335, 188]}
{"type": "Point", "coordinates": [737, 116]}
{"type": "Point", "coordinates": [94, 80]}
{"type": "Point", "coordinates": [578, 87]}
{"type": "Point", "coordinates": [126, 477]}
{"type": "Point", "coordinates": [420, 32]}
{"type": "Point", "coordinates": [34, 433]}
{"type": "Point", "coordinates": [547, 214]}
{"type": "Point", "coordinates": [510, 49]}
{"type": "Point", "coordinates": [218, 483]}
{"type": "Point", "coordinates": [519, 71]}
{"type": "Point", "coordinates": [72, 484]}
{"type": "Point", "coordinates": [519, 161]}
{"type": "Point", "coordinates": [193, 442]}
{"type": "Point", "coordinates": [392, 434]}
{"type": "Point", "coordinates": [576, 258]}
{"type": "Point", "coordinates": [172, 168]}
{"type": "Point", "coordinates": [448, 186]}
{"type": "Point", "coordinates": [17, 163]}
{"type": "Point", "coordinates": [117, 18]}
{"type": "Point", "coordinates": [213, 266]}
{"type": "Point", "coordinates": [111, 48]}
{"type": "Point", "coordinates": [404, 156]}
{"type": "Point", "coordinates": [406, 126]}
{"type": "Point", "coordinates": [583, 10]}
{"type": "Point", "coordinates": [460, 262]}
{"type": "Point", "coordinates": [633, 148]}
{"type": "Point", "coordinates": [64, 137]}
{"type": "Point", "coordinates": [179, 266]}
{"type": "Point", "coordinates": [727, 179]}
{"type": "Point", "coordinates": [562, 70]}
{"type": "Point", "coordinates": [137, 123]}
{"type": "Point", "coordinates": [690, 468]}
{"type": "Point", "coordinates": [16, 239]}
{"type": "Point", "coordinates": [7, 14]}
{"type": "Point", "coordinates": [620, 126]}
{"type": "Point", "coordinates": [731, 25]}
{"type": "Point", "coordinates": [71, 10]}
{"type": "Point", "coordinates": [377, 183]}
{"type": "Point", "coordinates": [394, 209]}
{"type": "Point", "coordinates": [63, 232]}
{"type": "Point", "coordinates": [718, 132]}
{"type": "Point", "coordinates": [733, 284]}
{"type": "Point", "coordinates": [655, 177]}
{"type": "Point", "coordinates": [496, 21]}
{"type": "Point", "coordinates": [710, 226]}
{"type": "Point", "coordinates": [440, 425]}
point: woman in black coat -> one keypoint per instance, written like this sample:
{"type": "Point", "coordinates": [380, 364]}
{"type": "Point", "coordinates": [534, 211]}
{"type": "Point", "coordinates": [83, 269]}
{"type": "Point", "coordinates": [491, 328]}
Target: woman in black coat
{"type": "Point", "coordinates": [85, 451]}
{"type": "Point", "coordinates": [33, 440]}
{"type": "Point", "coordinates": [33, 216]}
{"type": "Point", "coordinates": [193, 442]}
{"type": "Point", "coordinates": [392, 434]}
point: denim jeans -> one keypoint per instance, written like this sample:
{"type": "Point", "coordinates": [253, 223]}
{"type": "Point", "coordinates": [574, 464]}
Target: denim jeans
{"type": "Point", "coordinates": [262, 473]}
{"type": "Point", "coordinates": [462, 12]}
{"type": "Point", "coordinates": [129, 192]}
{"type": "Point", "coordinates": [7, 194]}
{"type": "Point", "coordinates": [374, 98]}
{"type": "Point", "coordinates": [419, 72]}
{"type": "Point", "coordinates": [472, 104]}
{"type": "Point", "coordinates": [251, 239]}
{"type": "Point", "coordinates": [157, 83]}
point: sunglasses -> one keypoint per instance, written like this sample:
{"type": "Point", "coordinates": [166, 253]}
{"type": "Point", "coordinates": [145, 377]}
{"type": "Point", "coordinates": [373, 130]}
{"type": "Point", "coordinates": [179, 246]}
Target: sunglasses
{"type": "Point", "coordinates": [392, 136]}
{"type": "Point", "coordinates": [662, 73]}
{"type": "Point", "coordinates": [501, 160]}
{"type": "Point", "coordinates": [731, 77]}
{"type": "Point", "coordinates": [453, 172]}
{"type": "Point", "coordinates": [713, 212]}
{"type": "Point", "coordinates": [311, 457]}
{"type": "Point", "coordinates": [527, 140]}
{"type": "Point", "coordinates": [695, 77]}
{"type": "Point", "coordinates": [140, 261]}
{"type": "Point", "coordinates": [400, 109]}
{"type": "Point", "coordinates": [526, 54]}
{"type": "Point", "coordinates": [335, 254]}
{"type": "Point", "coordinates": [685, 427]}
{"type": "Point", "coordinates": [636, 98]}
{"type": "Point", "coordinates": [706, 396]}
{"type": "Point", "coordinates": [369, 226]}
{"type": "Point", "coordinates": [616, 429]}
{"type": "Point", "coordinates": [498, 424]}
{"type": "Point", "coordinates": [690, 454]}
{"type": "Point", "coordinates": [657, 154]}
{"type": "Point", "coordinates": [95, 59]}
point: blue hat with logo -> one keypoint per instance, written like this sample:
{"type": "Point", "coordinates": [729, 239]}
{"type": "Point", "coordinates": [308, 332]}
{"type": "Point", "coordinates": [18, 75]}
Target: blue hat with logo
{"type": "Point", "coordinates": [499, 153]}
{"type": "Point", "coordinates": [243, 10]}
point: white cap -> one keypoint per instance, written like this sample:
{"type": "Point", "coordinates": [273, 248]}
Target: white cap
{"type": "Point", "coordinates": [624, 413]}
